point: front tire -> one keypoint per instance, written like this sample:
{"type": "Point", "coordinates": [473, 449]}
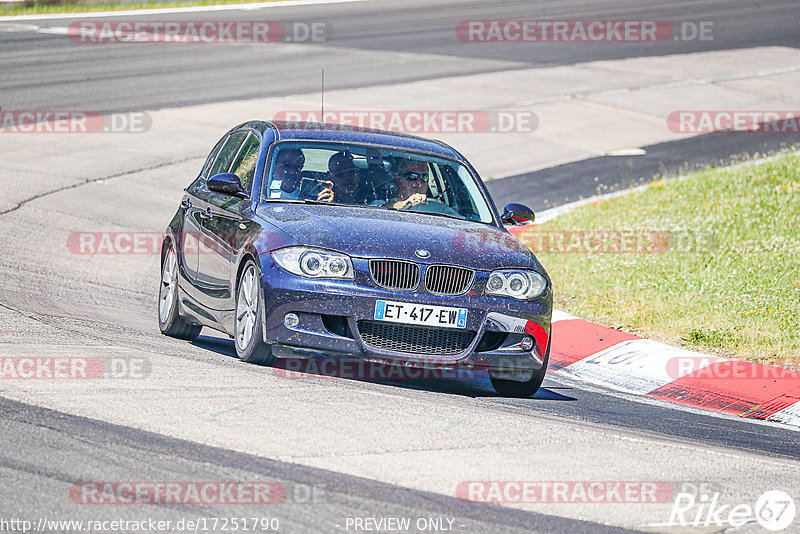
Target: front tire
{"type": "Point", "coordinates": [169, 320]}
{"type": "Point", "coordinates": [248, 324]}
{"type": "Point", "coordinates": [512, 388]}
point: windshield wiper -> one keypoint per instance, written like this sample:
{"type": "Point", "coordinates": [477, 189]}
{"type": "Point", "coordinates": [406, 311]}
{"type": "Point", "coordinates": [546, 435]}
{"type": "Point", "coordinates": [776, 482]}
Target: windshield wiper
{"type": "Point", "coordinates": [435, 213]}
{"type": "Point", "coordinates": [301, 201]}
{"type": "Point", "coordinates": [323, 203]}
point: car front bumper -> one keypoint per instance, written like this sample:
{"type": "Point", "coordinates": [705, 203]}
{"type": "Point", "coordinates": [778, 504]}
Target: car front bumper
{"type": "Point", "coordinates": [498, 324]}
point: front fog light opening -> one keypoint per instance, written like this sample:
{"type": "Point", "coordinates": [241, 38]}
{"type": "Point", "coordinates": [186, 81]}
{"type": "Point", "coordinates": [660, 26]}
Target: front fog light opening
{"type": "Point", "coordinates": [527, 343]}
{"type": "Point", "coordinates": [291, 320]}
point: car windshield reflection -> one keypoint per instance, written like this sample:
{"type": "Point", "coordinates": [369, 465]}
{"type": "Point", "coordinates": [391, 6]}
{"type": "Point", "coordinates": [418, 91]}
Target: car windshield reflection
{"type": "Point", "coordinates": [380, 178]}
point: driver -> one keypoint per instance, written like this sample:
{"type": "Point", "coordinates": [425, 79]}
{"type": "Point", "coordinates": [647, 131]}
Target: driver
{"type": "Point", "coordinates": [412, 184]}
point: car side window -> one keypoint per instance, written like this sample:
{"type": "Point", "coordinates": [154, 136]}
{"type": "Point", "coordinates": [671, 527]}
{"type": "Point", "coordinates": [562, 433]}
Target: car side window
{"type": "Point", "coordinates": [198, 185]}
{"type": "Point", "coordinates": [211, 158]}
{"type": "Point", "coordinates": [244, 164]}
{"type": "Point", "coordinates": [227, 153]}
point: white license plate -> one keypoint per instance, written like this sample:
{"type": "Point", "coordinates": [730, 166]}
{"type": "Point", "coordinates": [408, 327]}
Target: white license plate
{"type": "Point", "coordinates": [420, 314]}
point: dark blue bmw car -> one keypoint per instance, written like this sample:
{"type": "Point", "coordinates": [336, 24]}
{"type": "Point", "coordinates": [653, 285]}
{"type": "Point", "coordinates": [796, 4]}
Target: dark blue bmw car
{"type": "Point", "coordinates": [301, 238]}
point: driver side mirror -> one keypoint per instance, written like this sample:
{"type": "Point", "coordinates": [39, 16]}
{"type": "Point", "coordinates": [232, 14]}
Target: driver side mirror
{"type": "Point", "coordinates": [226, 183]}
{"type": "Point", "coordinates": [517, 214]}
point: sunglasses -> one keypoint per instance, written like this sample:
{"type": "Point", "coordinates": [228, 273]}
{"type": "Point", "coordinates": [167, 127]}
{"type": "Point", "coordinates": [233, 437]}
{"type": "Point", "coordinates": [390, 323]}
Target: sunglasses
{"type": "Point", "coordinates": [412, 176]}
{"type": "Point", "coordinates": [345, 172]}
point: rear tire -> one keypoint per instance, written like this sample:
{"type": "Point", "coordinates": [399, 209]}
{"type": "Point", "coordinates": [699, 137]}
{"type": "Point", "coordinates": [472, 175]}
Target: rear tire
{"type": "Point", "coordinates": [169, 320]}
{"type": "Point", "coordinates": [248, 323]}
{"type": "Point", "coordinates": [512, 388]}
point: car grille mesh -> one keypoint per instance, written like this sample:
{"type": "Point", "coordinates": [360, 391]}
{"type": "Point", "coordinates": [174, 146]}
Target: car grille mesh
{"type": "Point", "coordinates": [419, 340]}
{"type": "Point", "coordinates": [448, 279]}
{"type": "Point", "coordinates": [393, 274]}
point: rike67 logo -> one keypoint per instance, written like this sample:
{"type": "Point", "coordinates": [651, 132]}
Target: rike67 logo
{"type": "Point", "coordinates": [774, 510]}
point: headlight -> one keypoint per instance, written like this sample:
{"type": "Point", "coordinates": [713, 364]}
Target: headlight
{"type": "Point", "coordinates": [516, 284]}
{"type": "Point", "coordinates": [314, 262]}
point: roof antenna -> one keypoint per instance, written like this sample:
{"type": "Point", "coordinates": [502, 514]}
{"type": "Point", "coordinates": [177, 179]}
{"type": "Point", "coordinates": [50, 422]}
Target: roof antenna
{"type": "Point", "coordinates": [322, 116]}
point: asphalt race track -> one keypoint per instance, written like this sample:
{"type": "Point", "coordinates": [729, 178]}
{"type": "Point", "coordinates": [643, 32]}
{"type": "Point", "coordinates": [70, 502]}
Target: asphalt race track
{"type": "Point", "coordinates": [370, 43]}
{"type": "Point", "coordinates": [192, 412]}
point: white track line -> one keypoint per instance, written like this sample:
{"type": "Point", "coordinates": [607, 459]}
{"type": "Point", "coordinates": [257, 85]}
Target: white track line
{"type": "Point", "coordinates": [169, 10]}
{"type": "Point", "coordinates": [552, 213]}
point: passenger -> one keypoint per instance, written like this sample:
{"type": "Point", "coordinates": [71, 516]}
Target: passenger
{"type": "Point", "coordinates": [288, 168]}
{"type": "Point", "coordinates": [344, 185]}
{"type": "Point", "coordinates": [289, 171]}
{"type": "Point", "coordinates": [381, 181]}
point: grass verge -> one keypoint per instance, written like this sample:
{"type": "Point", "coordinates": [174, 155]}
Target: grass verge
{"type": "Point", "coordinates": [710, 261]}
{"type": "Point", "coordinates": [38, 8]}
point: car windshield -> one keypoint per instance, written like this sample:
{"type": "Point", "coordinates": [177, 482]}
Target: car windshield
{"type": "Point", "coordinates": [374, 177]}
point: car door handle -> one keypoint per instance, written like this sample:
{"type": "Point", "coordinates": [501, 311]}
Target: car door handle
{"type": "Point", "coordinates": [206, 214]}
{"type": "Point", "coordinates": [186, 203]}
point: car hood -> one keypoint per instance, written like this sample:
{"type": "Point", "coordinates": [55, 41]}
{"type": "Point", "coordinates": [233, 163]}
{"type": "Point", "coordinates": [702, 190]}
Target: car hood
{"type": "Point", "coordinates": [382, 233]}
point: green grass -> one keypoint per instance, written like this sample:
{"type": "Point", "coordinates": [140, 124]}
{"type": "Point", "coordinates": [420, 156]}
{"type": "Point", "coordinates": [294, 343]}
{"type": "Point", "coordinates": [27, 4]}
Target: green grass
{"type": "Point", "coordinates": [730, 283]}
{"type": "Point", "coordinates": [36, 8]}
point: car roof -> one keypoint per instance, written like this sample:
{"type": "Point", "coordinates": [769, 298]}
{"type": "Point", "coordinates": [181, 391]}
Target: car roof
{"type": "Point", "coordinates": [313, 131]}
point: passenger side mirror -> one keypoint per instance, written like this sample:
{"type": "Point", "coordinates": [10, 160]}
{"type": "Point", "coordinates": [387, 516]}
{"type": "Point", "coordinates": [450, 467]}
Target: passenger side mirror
{"type": "Point", "coordinates": [517, 214]}
{"type": "Point", "coordinates": [226, 183]}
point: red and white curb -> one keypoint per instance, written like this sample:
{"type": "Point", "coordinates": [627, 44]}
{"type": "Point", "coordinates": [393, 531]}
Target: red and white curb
{"type": "Point", "coordinates": [628, 363]}
{"type": "Point", "coordinates": [631, 364]}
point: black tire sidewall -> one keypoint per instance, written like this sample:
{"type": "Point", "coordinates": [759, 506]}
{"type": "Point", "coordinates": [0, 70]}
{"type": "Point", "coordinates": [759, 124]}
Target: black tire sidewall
{"type": "Point", "coordinates": [511, 388]}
